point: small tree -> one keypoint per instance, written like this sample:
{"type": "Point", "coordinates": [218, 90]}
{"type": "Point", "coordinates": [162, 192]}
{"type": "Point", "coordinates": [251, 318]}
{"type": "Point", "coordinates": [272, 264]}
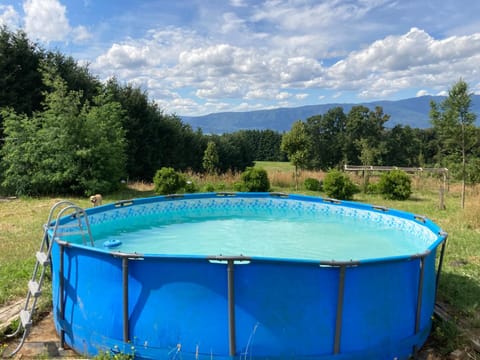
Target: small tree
{"type": "Point", "coordinates": [454, 124]}
{"type": "Point", "coordinates": [296, 144]}
{"type": "Point", "coordinates": [339, 186]}
{"type": "Point", "coordinates": [211, 159]}
{"type": "Point", "coordinates": [395, 185]}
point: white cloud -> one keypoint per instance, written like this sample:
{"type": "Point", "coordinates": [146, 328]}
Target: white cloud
{"type": "Point", "coordinates": [46, 20]}
{"type": "Point", "coordinates": [232, 23]}
{"type": "Point", "coordinates": [283, 95]}
{"type": "Point", "coordinates": [422, 93]}
{"type": "Point", "coordinates": [407, 61]}
{"type": "Point", "coordinates": [124, 56]}
{"type": "Point", "coordinates": [238, 3]}
{"type": "Point", "coordinates": [168, 60]}
{"type": "Point", "coordinates": [9, 17]}
{"type": "Point", "coordinates": [80, 34]}
{"type": "Point", "coordinates": [302, 96]}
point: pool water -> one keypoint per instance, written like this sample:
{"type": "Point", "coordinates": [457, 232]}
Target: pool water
{"type": "Point", "coordinates": [307, 237]}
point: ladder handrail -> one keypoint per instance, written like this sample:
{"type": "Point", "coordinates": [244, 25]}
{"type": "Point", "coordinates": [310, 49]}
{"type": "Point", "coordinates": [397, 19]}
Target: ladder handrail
{"type": "Point", "coordinates": [78, 213]}
{"type": "Point", "coordinates": [43, 257]}
{"type": "Point", "coordinates": [55, 206]}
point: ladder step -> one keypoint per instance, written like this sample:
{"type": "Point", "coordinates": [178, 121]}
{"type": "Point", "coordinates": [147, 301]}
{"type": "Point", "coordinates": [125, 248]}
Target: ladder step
{"type": "Point", "coordinates": [42, 258]}
{"type": "Point", "coordinates": [26, 318]}
{"type": "Point", "coordinates": [34, 288]}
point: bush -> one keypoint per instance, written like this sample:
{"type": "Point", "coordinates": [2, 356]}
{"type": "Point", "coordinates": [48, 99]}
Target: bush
{"type": "Point", "coordinates": [168, 181]}
{"type": "Point", "coordinates": [209, 187]}
{"type": "Point", "coordinates": [395, 185]}
{"type": "Point", "coordinates": [372, 189]}
{"type": "Point", "coordinates": [339, 186]}
{"type": "Point", "coordinates": [255, 180]}
{"type": "Point", "coordinates": [190, 187]}
{"type": "Point", "coordinates": [221, 186]}
{"type": "Point", "coordinates": [312, 184]}
{"type": "Point", "coordinates": [239, 186]}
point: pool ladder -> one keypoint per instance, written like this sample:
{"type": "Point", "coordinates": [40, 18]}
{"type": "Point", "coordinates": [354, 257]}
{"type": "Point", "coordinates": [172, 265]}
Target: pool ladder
{"type": "Point", "coordinates": [43, 259]}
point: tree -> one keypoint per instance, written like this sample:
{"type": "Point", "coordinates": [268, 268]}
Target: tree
{"type": "Point", "coordinates": [296, 144]}
{"type": "Point", "coordinates": [327, 134]}
{"type": "Point", "coordinates": [20, 81]}
{"type": "Point", "coordinates": [454, 124]}
{"type": "Point", "coordinates": [364, 124]}
{"type": "Point", "coordinates": [210, 158]}
{"type": "Point", "coordinates": [101, 151]}
{"type": "Point", "coordinates": [67, 148]}
{"type": "Point", "coordinates": [403, 146]}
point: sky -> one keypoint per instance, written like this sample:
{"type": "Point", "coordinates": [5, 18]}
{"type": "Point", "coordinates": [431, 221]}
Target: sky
{"type": "Point", "coordinates": [195, 57]}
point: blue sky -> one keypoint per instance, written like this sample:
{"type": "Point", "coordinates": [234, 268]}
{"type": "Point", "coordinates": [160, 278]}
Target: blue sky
{"type": "Point", "coordinates": [195, 57]}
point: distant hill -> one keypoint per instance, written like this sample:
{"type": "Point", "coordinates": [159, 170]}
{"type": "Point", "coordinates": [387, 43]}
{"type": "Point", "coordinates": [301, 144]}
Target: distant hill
{"type": "Point", "coordinates": [413, 112]}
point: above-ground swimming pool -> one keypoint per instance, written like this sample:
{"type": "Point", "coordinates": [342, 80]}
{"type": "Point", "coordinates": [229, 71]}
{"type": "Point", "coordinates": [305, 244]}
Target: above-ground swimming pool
{"type": "Point", "coordinates": [245, 276]}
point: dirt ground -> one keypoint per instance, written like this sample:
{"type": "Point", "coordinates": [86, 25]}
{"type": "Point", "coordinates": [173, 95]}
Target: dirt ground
{"type": "Point", "coordinates": [42, 343]}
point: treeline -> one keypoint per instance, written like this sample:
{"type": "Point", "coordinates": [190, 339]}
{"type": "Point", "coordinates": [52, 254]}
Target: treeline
{"type": "Point", "coordinates": [360, 137]}
{"type": "Point", "coordinates": [64, 131]}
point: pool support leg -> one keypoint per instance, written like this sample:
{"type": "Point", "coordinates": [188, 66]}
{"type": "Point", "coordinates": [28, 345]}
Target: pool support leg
{"type": "Point", "coordinates": [419, 300]}
{"type": "Point", "coordinates": [339, 316]}
{"type": "Point", "coordinates": [440, 263]}
{"type": "Point", "coordinates": [125, 299]}
{"type": "Point", "coordinates": [61, 300]}
{"type": "Point", "coordinates": [231, 308]}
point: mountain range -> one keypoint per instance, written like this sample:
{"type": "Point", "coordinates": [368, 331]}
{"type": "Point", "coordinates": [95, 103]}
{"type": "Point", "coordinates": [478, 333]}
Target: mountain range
{"type": "Point", "coordinates": [413, 112]}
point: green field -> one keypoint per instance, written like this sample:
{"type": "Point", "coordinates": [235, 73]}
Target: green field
{"type": "Point", "coordinates": [22, 219]}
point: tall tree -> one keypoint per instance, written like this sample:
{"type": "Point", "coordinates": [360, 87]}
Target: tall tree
{"type": "Point", "coordinates": [297, 145]}
{"type": "Point", "coordinates": [368, 125]}
{"type": "Point", "coordinates": [67, 148]}
{"type": "Point", "coordinates": [210, 158]}
{"type": "Point", "coordinates": [20, 81]}
{"type": "Point", "coordinates": [403, 147]}
{"type": "Point", "coordinates": [327, 134]}
{"type": "Point", "coordinates": [454, 123]}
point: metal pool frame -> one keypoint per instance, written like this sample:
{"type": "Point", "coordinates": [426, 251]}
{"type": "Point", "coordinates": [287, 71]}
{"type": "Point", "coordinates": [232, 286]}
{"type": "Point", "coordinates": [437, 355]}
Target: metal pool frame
{"type": "Point", "coordinates": [68, 302]}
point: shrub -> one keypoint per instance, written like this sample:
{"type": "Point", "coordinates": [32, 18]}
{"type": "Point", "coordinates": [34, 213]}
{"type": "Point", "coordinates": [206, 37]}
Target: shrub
{"type": "Point", "coordinates": [312, 184]}
{"type": "Point", "coordinates": [168, 181]}
{"type": "Point", "coordinates": [239, 186]}
{"type": "Point", "coordinates": [395, 185]}
{"type": "Point", "coordinates": [372, 189]}
{"type": "Point", "coordinates": [190, 187]}
{"type": "Point", "coordinates": [255, 179]}
{"type": "Point", "coordinates": [209, 187]}
{"type": "Point", "coordinates": [339, 186]}
{"type": "Point", "coordinates": [221, 186]}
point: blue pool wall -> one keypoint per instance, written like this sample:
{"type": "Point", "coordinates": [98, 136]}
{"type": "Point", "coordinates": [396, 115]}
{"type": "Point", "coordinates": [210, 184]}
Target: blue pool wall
{"type": "Point", "coordinates": [180, 306]}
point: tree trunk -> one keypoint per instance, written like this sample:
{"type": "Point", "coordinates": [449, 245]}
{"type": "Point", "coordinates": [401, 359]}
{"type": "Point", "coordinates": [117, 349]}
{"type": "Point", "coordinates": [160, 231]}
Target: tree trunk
{"type": "Point", "coordinates": [296, 177]}
{"type": "Point", "coordinates": [463, 180]}
{"type": "Point", "coordinates": [463, 166]}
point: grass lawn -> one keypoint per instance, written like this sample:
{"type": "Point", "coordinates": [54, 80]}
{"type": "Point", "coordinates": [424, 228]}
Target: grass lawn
{"type": "Point", "coordinates": [22, 219]}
